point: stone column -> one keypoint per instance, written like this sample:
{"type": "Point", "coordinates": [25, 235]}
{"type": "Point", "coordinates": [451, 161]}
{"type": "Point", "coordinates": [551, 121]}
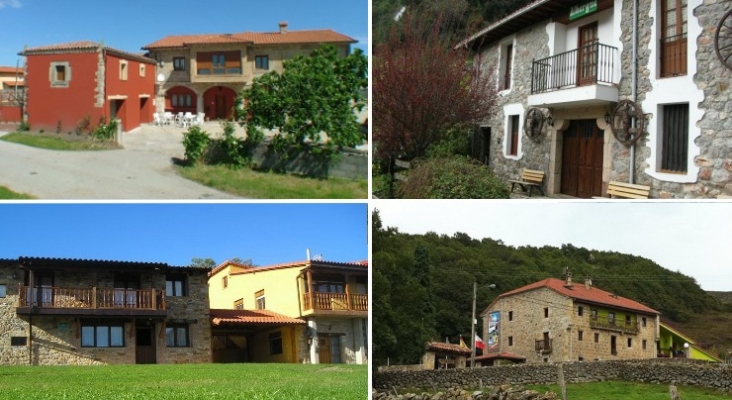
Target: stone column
{"type": "Point", "coordinates": [313, 334]}
{"type": "Point", "coordinates": [358, 340]}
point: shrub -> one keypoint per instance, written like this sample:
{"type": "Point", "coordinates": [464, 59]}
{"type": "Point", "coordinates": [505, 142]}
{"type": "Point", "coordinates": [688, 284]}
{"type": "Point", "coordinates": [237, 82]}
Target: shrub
{"type": "Point", "coordinates": [24, 126]}
{"type": "Point", "coordinates": [195, 141]}
{"type": "Point", "coordinates": [455, 142]}
{"type": "Point", "coordinates": [452, 178]}
{"type": "Point", "coordinates": [105, 131]}
{"type": "Point", "coordinates": [84, 125]}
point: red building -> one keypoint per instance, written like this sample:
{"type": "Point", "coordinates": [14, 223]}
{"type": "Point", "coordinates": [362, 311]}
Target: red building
{"type": "Point", "coordinates": [67, 82]}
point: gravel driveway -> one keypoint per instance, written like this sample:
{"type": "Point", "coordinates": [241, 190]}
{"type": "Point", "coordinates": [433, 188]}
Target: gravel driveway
{"type": "Point", "coordinates": [143, 169]}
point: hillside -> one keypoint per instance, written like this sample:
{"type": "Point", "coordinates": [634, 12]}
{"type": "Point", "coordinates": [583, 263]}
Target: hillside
{"type": "Point", "coordinates": [422, 286]}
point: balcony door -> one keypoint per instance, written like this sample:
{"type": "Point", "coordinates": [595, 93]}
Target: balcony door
{"type": "Point", "coordinates": [125, 290]}
{"type": "Point", "coordinates": [587, 55]}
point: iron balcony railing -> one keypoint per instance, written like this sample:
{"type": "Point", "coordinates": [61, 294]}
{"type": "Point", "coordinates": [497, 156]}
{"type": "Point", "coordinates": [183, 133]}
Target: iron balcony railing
{"type": "Point", "coordinates": [586, 65]}
{"type": "Point", "coordinates": [544, 346]}
{"type": "Point", "coordinates": [335, 301]}
{"type": "Point", "coordinates": [612, 324]}
{"type": "Point", "coordinates": [93, 298]}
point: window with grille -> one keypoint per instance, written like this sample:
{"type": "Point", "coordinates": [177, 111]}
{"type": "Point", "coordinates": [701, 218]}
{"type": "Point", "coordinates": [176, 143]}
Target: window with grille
{"type": "Point", "coordinates": [675, 138]}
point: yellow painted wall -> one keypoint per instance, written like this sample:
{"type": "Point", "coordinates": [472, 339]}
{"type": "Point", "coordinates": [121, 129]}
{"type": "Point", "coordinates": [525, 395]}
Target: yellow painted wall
{"type": "Point", "coordinates": [280, 290]}
{"type": "Point", "coordinates": [259, 346]}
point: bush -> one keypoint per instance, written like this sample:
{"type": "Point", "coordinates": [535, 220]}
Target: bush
{"type": "Point", "coordinates": [24, 126]}
{"type": "Point", "coordinates": [455, 142]}
{"type": "Point", "coordinates": [105, 131]}
{"type": "Point", "coordinates": [452, 178]}
{"type": "Point", "coordinates": [195, 142]}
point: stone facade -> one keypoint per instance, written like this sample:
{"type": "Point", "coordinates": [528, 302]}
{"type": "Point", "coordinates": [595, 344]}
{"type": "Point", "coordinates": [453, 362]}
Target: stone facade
{"type": "Point", "coordinates": [51, 335]}
{"type": "Point", "coordinates": [649, 371]}
{"type": "Point", "coordinates": [526, 317]}
{"type": "Point", "coordinates": [705, 88]}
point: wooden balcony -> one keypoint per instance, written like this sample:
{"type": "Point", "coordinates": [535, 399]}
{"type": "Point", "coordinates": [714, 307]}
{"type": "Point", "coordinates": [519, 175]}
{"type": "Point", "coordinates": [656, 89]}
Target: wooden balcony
{"type": "Point", "coordinates": [91, 301]}
{"type": "Point", "coordinates": [543, 346]}
{"type": "Point", "coordinates": [335, 303]}
{"type": "Point", "coordinates": [614, 325]}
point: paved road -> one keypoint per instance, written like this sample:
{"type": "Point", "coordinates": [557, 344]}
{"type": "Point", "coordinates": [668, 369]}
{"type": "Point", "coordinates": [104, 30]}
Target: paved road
{"type": "Point", "coordinates": [142, 170]}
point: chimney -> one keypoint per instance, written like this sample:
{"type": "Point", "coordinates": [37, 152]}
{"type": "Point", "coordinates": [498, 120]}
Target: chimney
{"type": "Point", "coordinates": [308, 253]}
{"type": "Point", "coordinates": [588, 282]}
{"type": "Point", "coordinates": [569, 277]}
{"type": "Point", "coordinates": [283, 27]}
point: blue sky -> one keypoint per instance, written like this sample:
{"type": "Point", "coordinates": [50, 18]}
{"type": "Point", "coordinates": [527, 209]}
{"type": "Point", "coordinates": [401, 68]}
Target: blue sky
{"type": "Point", "coordinates": [175, 233]}
{"type": "Point", "coordinates": [130, 24]}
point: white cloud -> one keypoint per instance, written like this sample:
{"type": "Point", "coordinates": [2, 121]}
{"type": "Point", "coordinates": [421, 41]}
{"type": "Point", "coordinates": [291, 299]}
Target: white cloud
{"type": "Point", "coordinates": [10, 3]}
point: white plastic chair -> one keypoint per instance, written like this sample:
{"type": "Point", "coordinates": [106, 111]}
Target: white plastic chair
{"type": "Point", "coordinates": [168, 118]}
{"type": "Point", "coordinates": [156, 119]}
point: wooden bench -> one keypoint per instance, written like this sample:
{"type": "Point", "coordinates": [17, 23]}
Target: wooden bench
{"type": "Point", "coordinates": [530, 178]}
{"type": "Point", "coordinates": [622, 190]}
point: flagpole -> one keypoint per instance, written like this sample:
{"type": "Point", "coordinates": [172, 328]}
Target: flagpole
{"type": "Point", "coordinates": [472, 327]}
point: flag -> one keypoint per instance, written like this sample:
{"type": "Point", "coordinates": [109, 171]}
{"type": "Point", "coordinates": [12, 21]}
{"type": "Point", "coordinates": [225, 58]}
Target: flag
{"type": "Point", "coordinates": [462, 343]}
{"type": "Point", "coordinates": [479, 343]}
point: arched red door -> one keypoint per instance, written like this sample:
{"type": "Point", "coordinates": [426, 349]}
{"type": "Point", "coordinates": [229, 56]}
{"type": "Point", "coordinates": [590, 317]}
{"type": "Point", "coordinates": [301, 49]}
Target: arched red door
{"type": "Point", "coordinates": [218, 102]}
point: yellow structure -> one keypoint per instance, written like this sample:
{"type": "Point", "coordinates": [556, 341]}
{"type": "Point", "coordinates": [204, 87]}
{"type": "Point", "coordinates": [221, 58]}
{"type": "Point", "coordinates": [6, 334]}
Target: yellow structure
{"type": "Point", "coordinates": [305, 311]}
{"type": "Point", "coordinates": [673, 343]}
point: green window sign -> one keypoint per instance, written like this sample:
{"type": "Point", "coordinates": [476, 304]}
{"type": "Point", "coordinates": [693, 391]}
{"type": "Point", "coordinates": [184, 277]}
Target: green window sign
{"type": "Point", "coordinates": [582, 10]}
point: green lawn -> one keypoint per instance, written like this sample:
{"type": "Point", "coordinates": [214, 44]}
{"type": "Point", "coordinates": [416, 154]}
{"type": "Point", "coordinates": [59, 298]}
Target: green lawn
{"type": "Point", "coordinates": [630, 391]}
{"type": "Point", "coordinates": [7, 194]}
{"type": "Point", "coordinates": [55, 142]}
{"type": "Point", "coordinates": [266, 185]}
{"type": "Point", "coordinates": [190, 381]}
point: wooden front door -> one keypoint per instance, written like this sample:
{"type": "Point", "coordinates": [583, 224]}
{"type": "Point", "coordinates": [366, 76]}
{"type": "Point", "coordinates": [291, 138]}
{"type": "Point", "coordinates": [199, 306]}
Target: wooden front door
{"type": "Point", "coordinates": [222, 108]}
{"type": "Point", "coordinates": [145, 345]}
{"type": "Point", "coordinates": [587, 55]}
{"type": "Point", "coordinates": [329, 349]}
{"type": "Point", "coordinates": [582, 153]}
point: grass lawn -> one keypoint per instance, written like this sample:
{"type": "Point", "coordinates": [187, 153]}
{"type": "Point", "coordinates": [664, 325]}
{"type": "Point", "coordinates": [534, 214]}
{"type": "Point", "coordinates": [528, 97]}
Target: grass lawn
{"type": "Point", "coordinates": [7, 194]}
{"type": "Point", "coordinates": [189, 381]}
{"type": "Point", "coordinates": [55, 142]}
{"type": "Point", "coordinates": [630, 391]}
{"type": "Point", "coordinates": [266, 185]}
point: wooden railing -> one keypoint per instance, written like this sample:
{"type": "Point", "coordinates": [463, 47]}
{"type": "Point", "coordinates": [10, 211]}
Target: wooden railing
{"type": "Point", "coordinates": [611, 324]}
{"type": "Point", "coordinates": [95, 298]}
{"type": "Point", "coordinates": [544, 346]}
{"type": "Point", "coordinates": [335, 301]}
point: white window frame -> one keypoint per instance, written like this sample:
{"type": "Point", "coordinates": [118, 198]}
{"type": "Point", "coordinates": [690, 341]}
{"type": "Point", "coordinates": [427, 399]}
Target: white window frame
{"type": "Point", "coordinates": [123, 70]}
{"type": "Point", "coordinates": [508, 111]}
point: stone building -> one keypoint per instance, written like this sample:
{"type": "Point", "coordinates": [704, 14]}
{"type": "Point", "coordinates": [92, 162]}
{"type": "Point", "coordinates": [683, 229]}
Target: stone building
{"type": "Point", "coordinates": [445, 355]}
{"type": "Point", "coordinates": [300, 312]}
{"type": "Point", "coordinates": [204, 73]}
{"type": "Point", "coordinates": [593, 91]}
{"type": "Point", "coordinates": [57, 311]}
{"type": "Point", "coordinates": [554, 320]}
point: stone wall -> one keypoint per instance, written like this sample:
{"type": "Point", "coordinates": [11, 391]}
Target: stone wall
{"type": "Point", "coordinates": [530, 44]}
{"type": "Point", "coordinates": [503, 392]}
{"type": "Point", "coordinates": [56, 339]}
{"type": "Point", "coordinates": [683, 372]}
{"type": "Point", "coordinates": [353, 163]}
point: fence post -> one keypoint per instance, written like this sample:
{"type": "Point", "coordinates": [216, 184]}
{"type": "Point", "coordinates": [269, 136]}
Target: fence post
{"type": "Point", "coordinates": [561, 382]}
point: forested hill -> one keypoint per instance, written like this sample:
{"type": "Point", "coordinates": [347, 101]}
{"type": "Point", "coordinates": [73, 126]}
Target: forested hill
{"type": "Point", "coordinates": [423, 284]}
{"type": "Point", "coordinates": [474, 14]}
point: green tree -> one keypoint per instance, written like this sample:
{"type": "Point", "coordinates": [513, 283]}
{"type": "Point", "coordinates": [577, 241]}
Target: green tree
{"type": "Point", "coordinates": [203, 262]}
{"type": "Point", "coordinates": [314, 95]}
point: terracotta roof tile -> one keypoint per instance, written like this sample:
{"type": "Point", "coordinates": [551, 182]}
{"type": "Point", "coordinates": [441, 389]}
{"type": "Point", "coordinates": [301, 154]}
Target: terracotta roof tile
{"type": "Point", "coordinates": [82, 47]}
{"type": "Point", "coordinates": [248, 317]}
{"type": "Point", "coordinates": [455, 348]}
{"type": "Point", "coordinates": [10, 70]}
{"type": "Point", "coordinates": [255, 38]}
{"type": "Point", "coordinates": [578, 291]}
{"type": "Point", "coordinates": [245, 269]}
